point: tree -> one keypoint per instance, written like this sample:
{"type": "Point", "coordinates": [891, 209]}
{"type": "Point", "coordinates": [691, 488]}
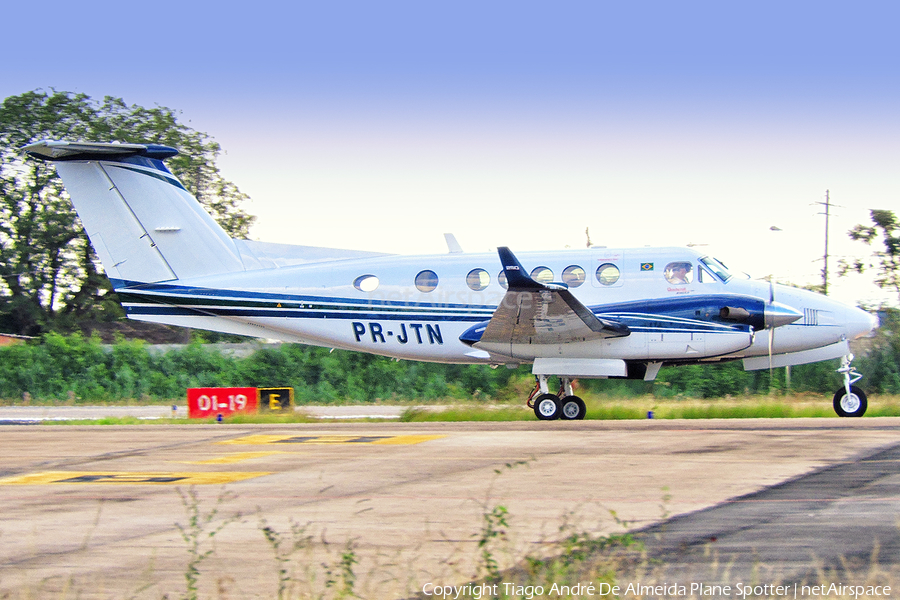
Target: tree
{"type": "Point", "coordinates": [886, 262]}
{"type": "Point", "coordinates": [50, 277]}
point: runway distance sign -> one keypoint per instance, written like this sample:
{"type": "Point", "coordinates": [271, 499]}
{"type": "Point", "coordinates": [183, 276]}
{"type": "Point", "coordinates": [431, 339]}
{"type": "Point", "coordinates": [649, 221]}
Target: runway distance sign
{"type": "Point", "coordinates": [276, 400]}
{"type": "Point", "coordinates": [205, 403]}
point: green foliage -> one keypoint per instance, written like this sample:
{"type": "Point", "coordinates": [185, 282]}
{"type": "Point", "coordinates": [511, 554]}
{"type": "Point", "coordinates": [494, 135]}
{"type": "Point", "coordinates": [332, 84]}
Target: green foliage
{"type": "Point", "coordinates": [58, 366]}
{"type": "Point", "coordinates": [50, 278]}
{"type": "Point", "coordinates": [61, 367]}
{"type": "Point", "coordinates": [729, 379]}
{"type": "Point", "coordinates": [341, 577]}
{"type": "Point", "coordinates": [702, 381]}
{"type": "Point", "coordinates": [884, 261]}
{"type": "Point", "coordinates": [881, 364]}
{"type": "Point", "coordinates": [494, 526]}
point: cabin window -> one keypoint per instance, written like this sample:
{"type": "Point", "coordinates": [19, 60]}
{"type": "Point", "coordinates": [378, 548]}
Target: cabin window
{"type": "Point", "coordinates": [501, 279]}
{"type": "Point", "coordinates": [608, 274]}
{"type": "Point", "coordinates": [478, 279]}
{"type": "Point", "coordinates": [573, 276]}
{"type": "Point", "coordinates": [366, 283]}
{"type": "Point", "coordinates": [426, 281]}
{"type": "Point", "coordinates": [679, 273]}
{"type": "Point", "coordinates": [542, 275]}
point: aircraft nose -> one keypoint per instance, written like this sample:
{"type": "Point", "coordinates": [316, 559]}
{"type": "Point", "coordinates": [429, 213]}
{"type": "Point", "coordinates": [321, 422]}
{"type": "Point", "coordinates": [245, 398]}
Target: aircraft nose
{"type": "Point", "coordinates": [860, 323]}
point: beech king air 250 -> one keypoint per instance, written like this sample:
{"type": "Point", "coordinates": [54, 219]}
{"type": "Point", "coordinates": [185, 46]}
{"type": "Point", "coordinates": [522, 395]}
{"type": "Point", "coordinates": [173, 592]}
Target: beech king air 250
{"type": "Point", "coordinates": [591, 313]}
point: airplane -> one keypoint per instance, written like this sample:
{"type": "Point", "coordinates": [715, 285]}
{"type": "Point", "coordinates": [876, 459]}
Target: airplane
{"type": "Point", "coordinates": [590, 313]}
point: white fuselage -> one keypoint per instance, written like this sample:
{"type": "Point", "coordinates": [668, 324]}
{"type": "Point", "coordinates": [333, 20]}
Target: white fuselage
{"type": "Point", "coordinates": [319, 304]}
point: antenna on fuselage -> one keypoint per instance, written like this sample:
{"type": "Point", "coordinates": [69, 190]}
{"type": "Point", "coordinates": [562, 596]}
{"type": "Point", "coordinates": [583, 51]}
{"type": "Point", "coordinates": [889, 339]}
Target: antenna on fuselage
{"type": "Point", "coordinates": [452, 245]}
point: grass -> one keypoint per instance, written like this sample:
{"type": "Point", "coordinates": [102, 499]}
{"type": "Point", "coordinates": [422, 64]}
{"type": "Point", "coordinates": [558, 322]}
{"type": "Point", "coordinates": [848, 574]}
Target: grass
{"type": "Point", "coordinates": [466, 413]}
{"type": "Point", "coordinates": [599, 408]}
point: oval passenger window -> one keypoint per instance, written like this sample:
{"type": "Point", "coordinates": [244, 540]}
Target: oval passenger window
{"type": "Point", "coordinates": [366, 283]}
{"type": "Point", "coordinates": [542, 275]}
{"type": "Point", "coordinates": [573, 276]}
{"type": "Point", "coordinates": [478, 279]}
{"type": "Point", "coordinates": [426, 281]}
{"type": "Point", "coordinates": [607, 274]}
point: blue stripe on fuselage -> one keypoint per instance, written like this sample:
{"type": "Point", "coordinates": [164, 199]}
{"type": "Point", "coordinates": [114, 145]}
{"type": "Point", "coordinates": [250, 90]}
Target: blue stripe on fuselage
{"type": "Point", "coordinates": [693, 313]}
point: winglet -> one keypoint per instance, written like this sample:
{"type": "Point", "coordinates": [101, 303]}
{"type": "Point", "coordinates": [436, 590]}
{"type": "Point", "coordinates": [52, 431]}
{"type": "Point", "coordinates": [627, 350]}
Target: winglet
{"type": "Point", "coordinates": [516, 276]}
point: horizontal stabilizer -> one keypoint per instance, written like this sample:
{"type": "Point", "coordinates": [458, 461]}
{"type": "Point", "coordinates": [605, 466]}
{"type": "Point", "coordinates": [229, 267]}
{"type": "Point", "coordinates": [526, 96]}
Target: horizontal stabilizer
{"type": "Point", "coordinates": [58, 150]}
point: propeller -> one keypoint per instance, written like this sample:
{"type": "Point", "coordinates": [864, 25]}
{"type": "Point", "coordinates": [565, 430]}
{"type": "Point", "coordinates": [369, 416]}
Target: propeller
{"type": "Point", "coordinates": [776, 315]}
{"type": "Point", "coordinates": [771, 328]}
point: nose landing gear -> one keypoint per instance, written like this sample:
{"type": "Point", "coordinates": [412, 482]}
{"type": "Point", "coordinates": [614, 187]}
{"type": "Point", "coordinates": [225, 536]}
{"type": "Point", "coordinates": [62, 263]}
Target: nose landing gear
{"type": "Point", "coordinates": [562, 405]}
{"type": "Point", "coordinates": [849, 400]}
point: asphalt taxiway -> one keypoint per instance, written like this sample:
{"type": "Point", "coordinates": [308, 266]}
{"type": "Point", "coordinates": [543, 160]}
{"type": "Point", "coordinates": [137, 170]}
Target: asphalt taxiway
{"type": "Point", "coordinates": [103, 511]}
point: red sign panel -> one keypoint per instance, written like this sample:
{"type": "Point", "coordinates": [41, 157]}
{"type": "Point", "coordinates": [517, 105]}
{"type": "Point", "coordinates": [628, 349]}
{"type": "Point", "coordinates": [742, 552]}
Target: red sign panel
{"type": "Point", "coordinates": [205, 403]}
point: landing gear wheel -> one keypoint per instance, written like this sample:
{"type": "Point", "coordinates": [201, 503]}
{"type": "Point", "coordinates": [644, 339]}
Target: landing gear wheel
{"type": "Point", "coordinates": [572, 408]}
{"type": "Point", "coordinates": [547, 407]}
{"type": "Point", "coordinates": [850, 405]}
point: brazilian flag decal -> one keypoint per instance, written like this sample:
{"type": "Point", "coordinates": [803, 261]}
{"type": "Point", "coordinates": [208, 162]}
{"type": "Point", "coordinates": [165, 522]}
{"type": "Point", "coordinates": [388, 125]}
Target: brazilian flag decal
{"type": "Point", "coordinates": [646, 266]}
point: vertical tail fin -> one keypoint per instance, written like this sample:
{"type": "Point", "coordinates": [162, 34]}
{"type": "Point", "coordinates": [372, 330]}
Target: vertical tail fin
{"type": "Point", "coordinates": [144, 225]}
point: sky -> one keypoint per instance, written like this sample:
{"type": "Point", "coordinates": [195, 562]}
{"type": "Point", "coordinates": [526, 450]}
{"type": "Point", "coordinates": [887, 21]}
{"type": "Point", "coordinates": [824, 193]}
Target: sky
{"type": "Point", "coordinates": [383, 125]}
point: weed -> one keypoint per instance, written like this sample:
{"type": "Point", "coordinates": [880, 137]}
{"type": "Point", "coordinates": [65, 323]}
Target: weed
{"type": "Point", "coordinates": [493, 531]}
{"type": "Point", "coordinates": [199, 530]}
{"type": "Point", "coordinates": [283, 549]}
{"type": "Point", "coordinates": [341, 577]}
{"type": "Point", "coordinates": [576, 559]}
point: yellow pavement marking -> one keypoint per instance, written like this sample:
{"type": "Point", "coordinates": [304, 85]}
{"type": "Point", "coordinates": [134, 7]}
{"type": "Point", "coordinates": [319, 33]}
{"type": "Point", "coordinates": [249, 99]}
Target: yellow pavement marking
{"type": "Point", "coordinates": [231, 458]}
{"type": "Point", "coordinates": [129, 478]}
{"type": "Point", "coordinates": [312, 440]}
{"type": "Point", "coordinates": [406, 440]}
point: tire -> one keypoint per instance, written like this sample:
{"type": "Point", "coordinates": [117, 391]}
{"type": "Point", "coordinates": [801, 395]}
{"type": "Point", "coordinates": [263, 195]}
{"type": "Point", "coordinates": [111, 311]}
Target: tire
{"type": "Point", "coordinates": [547, 407]}
{"type": "Point", "coordinates": [853, 405]}
{"type": "Point", "coordinates": [572, 408]}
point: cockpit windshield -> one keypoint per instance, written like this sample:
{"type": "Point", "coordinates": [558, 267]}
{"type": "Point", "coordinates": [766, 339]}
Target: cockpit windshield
{"type": "Point", "coordinates": [720, 270]}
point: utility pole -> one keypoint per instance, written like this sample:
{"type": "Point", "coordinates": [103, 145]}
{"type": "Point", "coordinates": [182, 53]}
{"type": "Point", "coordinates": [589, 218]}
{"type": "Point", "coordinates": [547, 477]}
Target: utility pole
{"type": "Point", "coordinates": [827, 213]}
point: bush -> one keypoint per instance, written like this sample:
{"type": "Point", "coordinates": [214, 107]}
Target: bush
{"type": "Point", "coordinates": [58, 366]}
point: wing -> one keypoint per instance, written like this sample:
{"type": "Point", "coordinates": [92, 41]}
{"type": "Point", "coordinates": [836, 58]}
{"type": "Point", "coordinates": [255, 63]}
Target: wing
{"type": "Point", "coordinates": [535, 313]}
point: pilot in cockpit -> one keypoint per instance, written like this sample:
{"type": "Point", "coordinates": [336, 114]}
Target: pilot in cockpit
{"type": "Point", "coordinates": [679, 273]}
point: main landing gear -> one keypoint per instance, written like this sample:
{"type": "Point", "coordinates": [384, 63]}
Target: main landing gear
{"type": "Point", "coordinates": [849, 400]}
{"type": "Point", "coordinates": [562, 405]}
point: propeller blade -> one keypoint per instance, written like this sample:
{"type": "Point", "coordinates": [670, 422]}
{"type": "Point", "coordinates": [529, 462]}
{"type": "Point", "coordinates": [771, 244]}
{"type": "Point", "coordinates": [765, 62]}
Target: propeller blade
{"type": "Point", "coordinates": [771, 327]}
